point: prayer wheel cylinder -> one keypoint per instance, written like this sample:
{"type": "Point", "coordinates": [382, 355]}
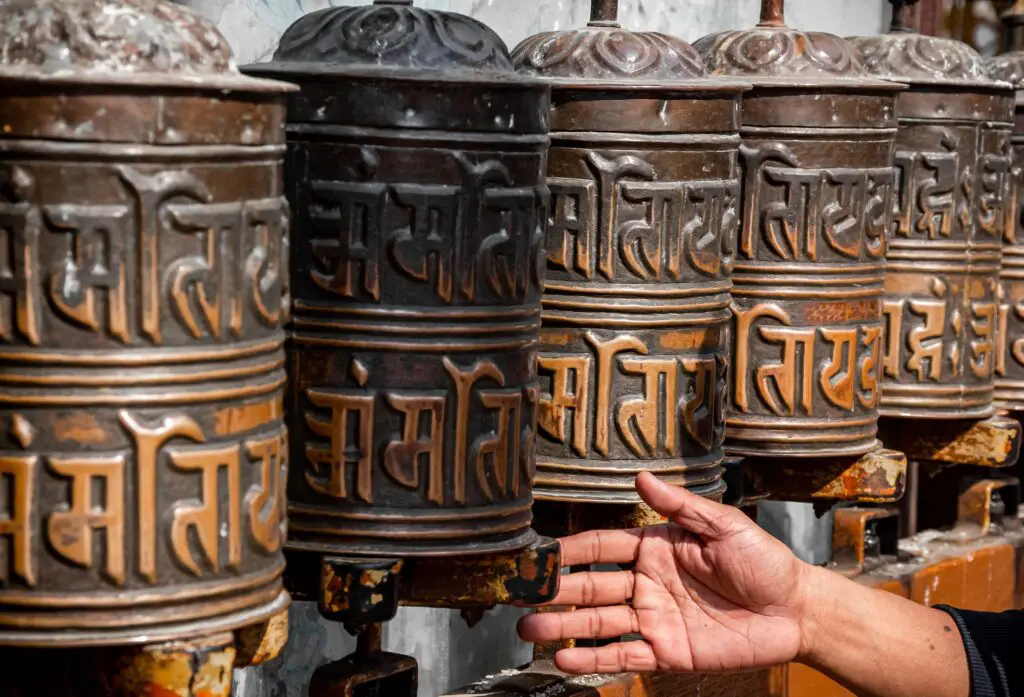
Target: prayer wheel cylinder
{"type": "Point", "coordinates": [818, 185]}
{"type": "Point", "coordinates": [1009, 367]}
{"type": "Point", "coordinates": [953, 165]}
{"type": "Point", "coordinates": [415, 170]}
{"type": "Point", "coordinates": [143, 288]}
{"type": "Point", "coordinates": [640, 242]}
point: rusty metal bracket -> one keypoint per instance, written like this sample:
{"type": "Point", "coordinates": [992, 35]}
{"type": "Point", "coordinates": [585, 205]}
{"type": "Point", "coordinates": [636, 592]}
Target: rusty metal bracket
{"type": "Point", "coordinates": [877, 477]}
{"type": "Point", "coordinates": [989, 502]}
{"type": "Point", "coordinates": [862, 536]}
{"type": "Point", "coordinates": [257, 644]}
{"type": "Point", "coordinates": [994, 442]}
{"type": "Point", "coordinates": [357, 591]}
{"type": "Point", "coordinates": [368, 671]}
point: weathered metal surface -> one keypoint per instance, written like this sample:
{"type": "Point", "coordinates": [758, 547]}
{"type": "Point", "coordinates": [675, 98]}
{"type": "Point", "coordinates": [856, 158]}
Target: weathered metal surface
{"type": "Point", "coordinates": [1010, 347]}
{"type": "Point", "coordinates": [818, 190]}
{"type": "Point", "coordinates": [197, 668]}
{"type": "Point", "coordinates": [640, 233]}
{"type": "Point", "coordinates": [143, 287]}
{"type": "Point", "coordinates": [953, 162]}
{"type": "Point", "coordinates": [416, 176]}
{"type": "Point", "coordinates": [994, 442]}
{"type": "Point", "coordinates": [368, 671]}
{"type": "Point", "coordinates": [257, 644]}
{"type": "Point", "coordinates": [988, 503]}
{"type": "Point", "coordinates": [877, 477]}
{"type": "Point", "coordinates": [359, 590]}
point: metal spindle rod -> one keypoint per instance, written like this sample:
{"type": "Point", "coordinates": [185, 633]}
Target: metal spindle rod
{"type": "Point", "coordinates": [772, 13]}
{"type": "Point", "coordinates": [604, 10]}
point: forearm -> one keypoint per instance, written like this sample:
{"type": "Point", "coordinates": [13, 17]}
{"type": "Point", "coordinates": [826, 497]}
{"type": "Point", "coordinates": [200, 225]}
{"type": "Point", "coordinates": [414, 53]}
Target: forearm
{"type": "Point", "coordinates": [878, 644]}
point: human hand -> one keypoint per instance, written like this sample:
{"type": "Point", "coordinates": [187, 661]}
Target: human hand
{"type": "Point", "coordinates": [711, 592]}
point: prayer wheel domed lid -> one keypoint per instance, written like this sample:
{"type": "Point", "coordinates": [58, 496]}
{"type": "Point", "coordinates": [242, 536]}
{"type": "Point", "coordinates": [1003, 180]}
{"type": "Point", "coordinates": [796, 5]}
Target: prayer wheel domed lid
{"type": "Point", "coordinates": [392, 38]}
{"type": "Point", "coordinates": [604, 55]}
{"type": "Point", "coordinates": [136, 42]}
{"type": "Point", "coordinates": [903, 55]}
{"type": "Point", "coordinates": [1009, 67]}
{"type": "Point", "coordinates": [775, 55]}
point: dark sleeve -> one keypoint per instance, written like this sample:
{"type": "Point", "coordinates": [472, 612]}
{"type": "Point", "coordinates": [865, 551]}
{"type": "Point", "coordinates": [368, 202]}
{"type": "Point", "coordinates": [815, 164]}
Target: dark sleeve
{"type": "Point", "coordinates": [994, 642]}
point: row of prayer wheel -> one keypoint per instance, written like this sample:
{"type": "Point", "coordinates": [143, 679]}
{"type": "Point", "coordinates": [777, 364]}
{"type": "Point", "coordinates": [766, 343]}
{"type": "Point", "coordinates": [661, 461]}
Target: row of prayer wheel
{"type": "Point", "coordinates": [503, 275]}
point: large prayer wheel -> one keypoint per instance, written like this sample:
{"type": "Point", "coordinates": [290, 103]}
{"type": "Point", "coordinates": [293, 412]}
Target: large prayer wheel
{"type": "Point", "coordinates": [416, 162]}
{"type": "Point", "coordinates": [953, 167]}
{"type": "Point", "coordinates": [818, 191]}
{"type": "Point", "coordinates": [1009, 358]}
{"type": "Point", "coordinates": [640, 242]}
{"type": "Point", "coordinates": [143, 287]}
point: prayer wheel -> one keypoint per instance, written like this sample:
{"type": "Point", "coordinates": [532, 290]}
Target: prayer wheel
{"type": "Point", "coordinates": [1009, 367]}
{"type": "Point", "coordinates": [953, 165]}
{"type": "Point", "coordinates": [640, 242]}
{"type": "Point", "coordinates": [415, 171]}
{"type": "Point", "coordinates": [817, 187]}
{"type": "Point", "coordinates": [143, 288]}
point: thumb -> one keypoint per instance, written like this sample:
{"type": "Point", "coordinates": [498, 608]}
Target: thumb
{"type": "Point", "coordinates": [698, 515]}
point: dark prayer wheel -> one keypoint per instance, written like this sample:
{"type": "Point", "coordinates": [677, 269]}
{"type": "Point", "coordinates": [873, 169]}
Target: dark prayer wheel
{"type": "Point", "coordinates": [143, 288]}
{"type": "Point", "coordinates": [640, 242]}
{"type": "Point", "coordinates": [817, 187]}
{"type": "Point", "coordinates": [953, 169]}
{"type": "Point", "coordinates": [415, 170]}
{"type": "Point", "coordinates": [1009, 367]}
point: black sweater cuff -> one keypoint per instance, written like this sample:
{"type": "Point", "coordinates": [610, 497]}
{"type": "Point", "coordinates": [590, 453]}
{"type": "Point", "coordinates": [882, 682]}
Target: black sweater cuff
{"type": "Point", "coordinates": [994, 643]}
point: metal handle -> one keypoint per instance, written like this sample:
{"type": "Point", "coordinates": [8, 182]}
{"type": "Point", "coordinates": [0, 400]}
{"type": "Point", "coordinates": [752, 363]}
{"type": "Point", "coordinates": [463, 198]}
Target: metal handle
{"type": "Point", "coordinates": [772, 13]}
{"type": "Point", "coordinates": [604, 10]}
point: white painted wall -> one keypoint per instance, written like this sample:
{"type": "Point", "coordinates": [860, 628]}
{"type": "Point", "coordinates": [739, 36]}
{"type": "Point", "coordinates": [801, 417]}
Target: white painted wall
{"type": "Point", "coordinates": [253, 26]}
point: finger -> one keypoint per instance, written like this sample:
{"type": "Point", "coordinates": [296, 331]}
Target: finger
{"type": "Point", "coordinates": [595, 588]}
{"type": "Point", "coordinates": [589, 623]}
{"type": "Point", "coordinates": [625, 657]}
{"type": "Point", "coordinates": [600, 547]}
{"type": "Point", "coordinates": [694, 513]}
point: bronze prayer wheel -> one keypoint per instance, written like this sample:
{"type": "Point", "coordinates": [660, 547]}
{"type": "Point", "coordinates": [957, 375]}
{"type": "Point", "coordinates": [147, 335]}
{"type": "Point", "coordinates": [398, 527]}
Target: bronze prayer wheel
{"type": "Point", "coordinates": [415, 170]}
{"type": "Point", "coordinates": [1009, 367]}
{"type": "Point", "coordinates": [818, 188]}
{"type": "Point", "coordinates": [953, 166]}
{"type": "Point", "coordinates": [143, 288]}
{"type": "Point", "coordinates": [640, 234]}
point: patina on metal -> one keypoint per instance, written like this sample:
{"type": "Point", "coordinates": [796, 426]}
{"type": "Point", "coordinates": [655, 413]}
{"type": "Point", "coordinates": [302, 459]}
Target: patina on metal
{"type": "Point", "coordinates": [416, 160]}
{"type": "Point", "coordinates": [818, 191]}
{"type": "Point", "coordinates": [640, 242]}
{"type": "Point", "coordinates": [143, 287]}
{"type": "Point", "coordinates": [953, 173]}
{"type": "Point", "coordinates": [1009, 367]}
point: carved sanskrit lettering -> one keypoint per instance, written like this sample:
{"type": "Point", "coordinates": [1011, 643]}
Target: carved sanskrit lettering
{"type": "Point", "coordinates": [983, 345]}
{"type": "Point", "coordinates": [20, 223]}
{"type": "Point", "coordinates": [70, 531]}
{"type": "Point", "coordinates": [788, 387]}
{"type": "Point", "coordinates": [925, 189]}
{"type": "Point", "coordinates": [570, 390]}
{"type": "Point", "coordinates": [416, 457]}
{"type": "Point", "coordinates": [793, 208]}
{"type": "Point", "coordinates": [204, 518]}
{"type": "Point", "coordinates": [653, 229]}
{"type": "Point", "coordinates": [994, 182]}
{"type": "Point", "coordinates": [347, 217]}
{"type": "Point", "coordinates": [669, 391]}
{"type": "Point", "coordinates": [18, 480]}
{"type": "Point", "coordinates": [266, 501]}
{"type": "Point", "coordinates": [402, 458]}
{"type": "Point", "coordinates": [916, 334]}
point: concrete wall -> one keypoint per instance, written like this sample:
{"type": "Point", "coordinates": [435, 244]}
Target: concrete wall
{"type": "Point", "coordinates": [450, 655]}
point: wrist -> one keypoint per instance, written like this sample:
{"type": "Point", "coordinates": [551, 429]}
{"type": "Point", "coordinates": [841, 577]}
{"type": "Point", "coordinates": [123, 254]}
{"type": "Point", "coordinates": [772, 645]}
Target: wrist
{"type": "Point", "coordinates": [813, 606]}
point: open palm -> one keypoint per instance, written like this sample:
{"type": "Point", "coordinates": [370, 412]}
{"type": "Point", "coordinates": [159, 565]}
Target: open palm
{"type": "Point", "coordinates": [708, 592]}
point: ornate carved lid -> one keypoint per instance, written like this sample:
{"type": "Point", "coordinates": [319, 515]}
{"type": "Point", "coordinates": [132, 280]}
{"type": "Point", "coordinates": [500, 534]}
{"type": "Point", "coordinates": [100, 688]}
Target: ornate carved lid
{"type": "Point", "coordinates": [141, 42]}
{"type": "Point", "coordinates": [604, 55]}
{"type": "Point", "coordinates": [392, 37]}
{"type": "Point", "coordinates": [905, 56]}
{"type": "Point", "coordinates": [1009, 67]}
{"type": "Point", "coordinates": [774, 54]}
